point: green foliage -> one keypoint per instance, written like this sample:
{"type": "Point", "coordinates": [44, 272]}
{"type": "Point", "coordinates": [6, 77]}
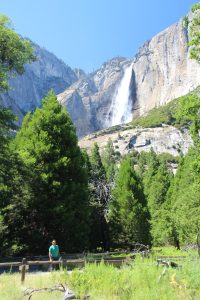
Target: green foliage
{"type": "Point", "coordinates": [168, 158]}
{"type": "Point", "coordinates": [195, 7]}
{"type": "Point", "coordinates": [7, 119]}
{"type": "Point", "coordinates": [184, 196]}
{"type": "Point", "coordinates": [13, 187]}
{"type": "Point", "coordinates": [14, 53]}
{"type": "Point", "coordinates": [181, 112]}
{"type": "Point", "coordinates": [47, 144]}
{"type": "Point", "coordinates": [156, 199]}
{"type": "Point", "coordinates": [109, 160]}
{"type": "Point", "coordinates": [157, 116]}
{"type": "Point", "coordinates": [155, 174]}
{"type": "Point", "coordinates": [128, 211]}
{"type": "Point", "coordinates": [185, 21]}
{"type": "Point", "coordinates": [96, 163]}
{"type": "Point", "coordinates": [189, 112]}
{"type": "Point", "coordinates": [194, 36]}
{"type": "Point", "coordinates": [99, 193]}
{"type": "Point", "coordinates": [171, 251]}
{"type": "Point", "coordinates": [14, 198]}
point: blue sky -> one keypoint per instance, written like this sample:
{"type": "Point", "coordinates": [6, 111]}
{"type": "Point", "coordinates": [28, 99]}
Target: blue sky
{"type": "Point", "coordinates": [86, 33]}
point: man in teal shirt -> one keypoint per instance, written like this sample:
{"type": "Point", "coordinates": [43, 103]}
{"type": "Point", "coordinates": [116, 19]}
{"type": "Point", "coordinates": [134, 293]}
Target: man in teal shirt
{"type": "Point", "coordinates": [54, 251]}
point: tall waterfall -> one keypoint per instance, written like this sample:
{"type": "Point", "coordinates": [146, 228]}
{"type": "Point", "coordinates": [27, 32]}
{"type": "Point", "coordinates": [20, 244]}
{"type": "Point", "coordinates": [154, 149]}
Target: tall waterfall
{"type": "Point", "coordinates": [120, 110]}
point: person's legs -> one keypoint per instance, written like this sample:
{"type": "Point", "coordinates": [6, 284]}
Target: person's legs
{"type": "Point", "coordinates": [55, 267]}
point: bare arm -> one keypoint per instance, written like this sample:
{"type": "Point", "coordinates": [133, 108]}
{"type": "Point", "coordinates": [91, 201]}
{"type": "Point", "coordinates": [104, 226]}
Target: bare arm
{"type": "Point", "coordinates": [50, 256]}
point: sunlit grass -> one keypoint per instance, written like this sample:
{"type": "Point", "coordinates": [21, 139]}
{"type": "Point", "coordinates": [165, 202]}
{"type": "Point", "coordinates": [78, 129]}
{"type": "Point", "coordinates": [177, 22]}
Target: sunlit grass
{"type": "Point", "coordinates": [172, 251]}
{"type": "Point", "coordinates": [142, 280]}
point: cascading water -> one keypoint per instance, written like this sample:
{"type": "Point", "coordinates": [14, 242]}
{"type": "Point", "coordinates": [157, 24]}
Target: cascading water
{"type": "Point", "coordinates": [121, 107]}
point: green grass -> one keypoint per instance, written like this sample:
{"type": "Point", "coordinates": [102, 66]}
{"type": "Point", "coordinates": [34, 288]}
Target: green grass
{"type": "Point", "coordinates": [142, 280]}
{"type": "Point", "coordinates": [170, 251]}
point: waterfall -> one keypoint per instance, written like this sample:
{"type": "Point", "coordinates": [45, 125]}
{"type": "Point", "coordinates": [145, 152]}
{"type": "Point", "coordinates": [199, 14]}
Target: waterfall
{"type": "Point", "coordinates": [121, 108]}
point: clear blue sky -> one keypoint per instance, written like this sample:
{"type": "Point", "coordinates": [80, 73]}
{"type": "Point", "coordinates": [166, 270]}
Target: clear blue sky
{"type": "Point", "coordinates": [86, 33]}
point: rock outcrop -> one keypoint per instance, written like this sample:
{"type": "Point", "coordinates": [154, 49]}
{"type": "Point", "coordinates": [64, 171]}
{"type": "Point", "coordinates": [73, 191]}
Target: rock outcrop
{"type": "Point", "coordinates": [166, 139]}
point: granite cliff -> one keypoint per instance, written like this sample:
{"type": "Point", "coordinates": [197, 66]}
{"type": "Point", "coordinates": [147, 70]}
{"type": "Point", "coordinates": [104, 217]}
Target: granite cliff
{"type": "Point", "coordinates": [47, 72]}
{"type": "Point", "coordinates": [161, 71]}
{"type": "Point", "coordinates": [88, 100]}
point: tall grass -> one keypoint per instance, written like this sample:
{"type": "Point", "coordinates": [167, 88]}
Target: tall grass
{"type": "Point", "coordinates": [141, 280]}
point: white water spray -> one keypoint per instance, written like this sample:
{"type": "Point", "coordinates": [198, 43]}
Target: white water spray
{"type": "Point", "coordinates": [121, 106]}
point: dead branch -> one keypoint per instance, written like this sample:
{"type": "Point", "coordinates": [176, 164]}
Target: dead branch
{"type": "Point", "coordinates": [29, 291]}
{"type": "Point", "coordinates": [69, 294]}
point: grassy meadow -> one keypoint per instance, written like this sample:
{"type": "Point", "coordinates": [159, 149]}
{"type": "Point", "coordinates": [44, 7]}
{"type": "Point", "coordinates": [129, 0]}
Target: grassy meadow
{"type": "Point", "coordinates": [141, 280]}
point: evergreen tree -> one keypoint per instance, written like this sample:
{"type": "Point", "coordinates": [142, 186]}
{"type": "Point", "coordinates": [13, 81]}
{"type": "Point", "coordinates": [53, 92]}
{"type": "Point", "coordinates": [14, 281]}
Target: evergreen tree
{"type": "Point", "coordinates": [109, 161]}
{"type": "Point", "coordinates": [156, 177]}
{"type": "Point", "coordinates": [184, 199]}
{"type": "Point", "coordinates": [14, 53]}
{"type": "Point", "coordinates": [99, 199]}
{"type": "Point", "coordinates": [47, 144]}
{"type": "Point", "coordinates": [14, 199]}
{"type": "Point", "coordinates": [149, 169]}
{"type": "Point", "coordinates": [128, 213]}
{"type": "Point", "coordinates": [13, 188]}
{"type": "Point", "coordinates": [156, 202]}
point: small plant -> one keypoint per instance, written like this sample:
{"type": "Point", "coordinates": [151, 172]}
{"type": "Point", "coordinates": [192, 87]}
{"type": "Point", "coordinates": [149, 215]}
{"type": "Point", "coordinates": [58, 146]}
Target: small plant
{"type": "Point", "coordinates": [195, 7]}
{"type": "Point", "coordinates": [185, 21]}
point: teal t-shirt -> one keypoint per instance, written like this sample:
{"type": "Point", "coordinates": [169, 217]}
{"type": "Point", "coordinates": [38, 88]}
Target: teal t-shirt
{"type": "Point", "coordinates": [54, 250]}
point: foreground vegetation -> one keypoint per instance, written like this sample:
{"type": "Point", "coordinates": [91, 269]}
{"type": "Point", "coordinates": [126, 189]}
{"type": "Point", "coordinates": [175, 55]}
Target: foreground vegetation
{"type": "Point", "coordinates": [141, 280]}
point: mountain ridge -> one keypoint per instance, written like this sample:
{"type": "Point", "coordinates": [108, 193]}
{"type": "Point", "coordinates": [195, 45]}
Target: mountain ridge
{"type": "Point", "coordinates": [162, 71]}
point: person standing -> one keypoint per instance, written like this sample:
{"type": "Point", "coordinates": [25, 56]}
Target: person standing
{"type": "Point", "coordinates": [54, 252]}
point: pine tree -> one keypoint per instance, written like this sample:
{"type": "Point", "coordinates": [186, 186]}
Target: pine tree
{"type": "Point", "coordinates": [184, 199]}
{"type": "Point", "coordinates": [99, 199]}
{"type": "Point", "coordinates": [14, 53]}
{"type": "Point", "coordinates": [128, 213]}
{"type": "Point", "coordinates": [109, 161]}
{"type": "Point", "coordinates": [47, 144]}
{"type": "Point", "coordinates": [156, 202]}
{"type": "Point", "coordinates": [151, 167]}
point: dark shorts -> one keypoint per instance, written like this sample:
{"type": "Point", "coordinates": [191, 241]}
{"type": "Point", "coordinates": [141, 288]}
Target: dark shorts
{"type": "Point", "coordinates": [55, 267]}
{"type": "Point", "coordinates": [55, 258]}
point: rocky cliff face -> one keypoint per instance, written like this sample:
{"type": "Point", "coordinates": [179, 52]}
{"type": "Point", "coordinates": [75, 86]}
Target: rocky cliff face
{"type": "Point", "coordinates": [48, 72]}
{"type": "Point", "coordinates": [88, 100]}
{"type": "Point", "coordinates": [163, 70]}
